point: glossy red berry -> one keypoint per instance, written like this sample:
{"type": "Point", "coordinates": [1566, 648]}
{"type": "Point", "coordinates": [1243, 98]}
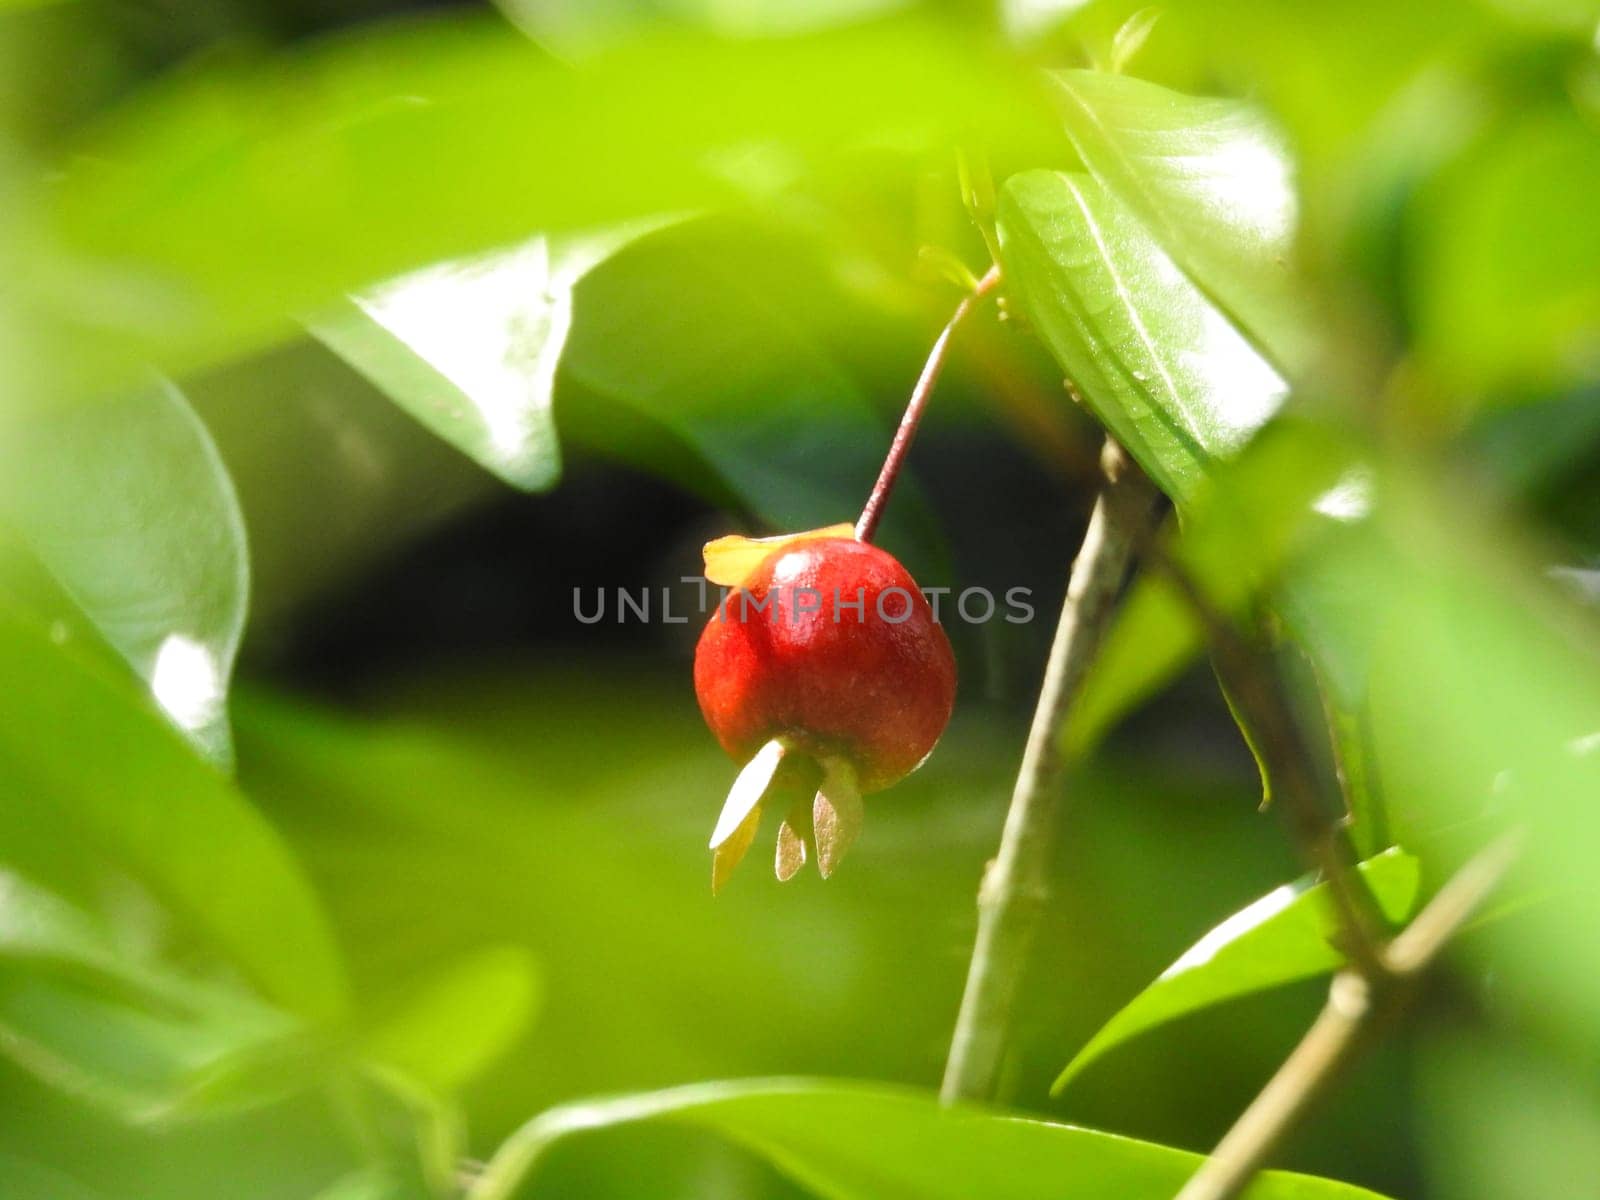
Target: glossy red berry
{"type": "Point", "coordinates": [828, 652]}
{"type": "Point", "coordinates": [831, 645]}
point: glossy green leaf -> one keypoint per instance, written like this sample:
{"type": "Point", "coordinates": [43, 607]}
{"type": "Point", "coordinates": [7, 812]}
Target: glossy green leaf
{"type": "Point", "coordinates": [128, 504]}
{"type": "Point", "coordinates": [847, 1141]}
{"type": "Point", "coordinates": [214, 205]}
{"type": "Point", "coordinates": [1282, 937]}
{"type": "Point", "coordinates": [1213, 181]}
{"type": "Point", "coordinates": [1154, 360]}
{"type": "Point", "coordinates": [470, 347]}
{"type": "Point", "coordinates": [131, 792]}
{"type": "Point", "coordinates": [459, 1021]}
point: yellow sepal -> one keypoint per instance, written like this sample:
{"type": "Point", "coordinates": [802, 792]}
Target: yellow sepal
{"type": "Point", "coordinates": [733, 559]}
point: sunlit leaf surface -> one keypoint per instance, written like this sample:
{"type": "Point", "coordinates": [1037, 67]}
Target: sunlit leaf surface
{"type": "Point", "coordinates": [1212, 180]}
{"type": "Point", "coordinates": [846, 1141]}
{"type": "Point", "coordinates": [1282, 937]}
{"type": "Point", "coordinates": [128, 504]}
{"type": "Point", "coordinates": [1150, 355]}
{"type": "Point", "coordinates": [230, 197]}
{"type": "Point", "coordinates": [470, 347]}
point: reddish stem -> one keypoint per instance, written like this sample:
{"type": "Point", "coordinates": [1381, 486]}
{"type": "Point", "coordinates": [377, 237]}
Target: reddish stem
{"type": "Point", "coordinates": [868, 524]}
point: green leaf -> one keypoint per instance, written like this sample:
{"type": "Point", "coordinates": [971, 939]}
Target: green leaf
{"type": "Point", "coordinates": [1131, 36]}
{"type": "Point", "coordinates": [1244, 525]}
{"type": "Point", "coordinates": [135, 1062]}
{"type": "Point", "coordinates": [1325, 613]}
{"type": "Point", "coordinates": [1213, 181]}
{"type": "Point", "coordinates": [221, 200]}
{"type": "Point", "coordinates": [1484, 695]}
{"type": "Point", "coordinates": [128, 504]}
{"type": "Point", "coordinates": [460, 1021]}
{"type": "Point", "coordinates": [94, 1015]}
{"type": "Point", "coordinates": [129, 791]}
{"type": "Point", "coordinates": [369, 1183]}
{"type": "Point", "coordinates": [22, 1180]}
{"type": "Point", "coordinates": [1155, 361]}
{"type": "Point", "coordinates": [470, 347]}
{"type": "Point", "coordinates": [848, 1141]}
{"type": "Point", "coordinates": [1281, 938]}
{"type": "Point", "coordinates": [1507, 275]}
{"type": "Point", "coordinates": [690, 333]}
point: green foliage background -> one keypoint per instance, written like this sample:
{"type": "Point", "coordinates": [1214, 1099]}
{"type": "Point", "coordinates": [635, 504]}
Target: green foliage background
{"type": "Point", "coordinates": [340, 343]}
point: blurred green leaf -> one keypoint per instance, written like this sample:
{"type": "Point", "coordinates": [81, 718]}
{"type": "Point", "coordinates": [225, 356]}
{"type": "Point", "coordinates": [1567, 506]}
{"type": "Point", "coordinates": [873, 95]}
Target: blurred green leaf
{"type": "Point", "coordinates": [566, 809]}
{"type": "Point", "coordinates": [368, 478]}
{"type": "Point", "coordinates": [848, 1141]}
{"type": "Point", "coordinates": [687, 331]}
{"type": "Point", "coordinates": [1322, 604]}
{"type": "Point", "coordinates": [21, 1180]}
{"type": "Point", "coordinates": [470, 347]}
{"type": "Point", "coordinates": [127, 788]}
{"type": "Point", "coordinates": [1507, 275]}
{"type": "Point", "coordinates": [91, 1015]}
{"type": "Point", "coordinates": [211, 206]}
{"type": "Point", "coordinates": [1283, 937]}
{"type": "Point", "coordinates": [1213, 181]}
{"type": "Point", "coordinates": [1500, 1124]}
{"type": "Point", "coordinates": [134, 1061]}
{"type": "Point", "coordinates": [576, 27]}
{"type": "Point", "coordinates": [1163, 369]}
{"type": "Point", "coordinates": [459, 1021]}
{"type": "Point", "coordinates": [372, 1183]}
{"type": "Point", "coordinates": [128, 504]}
{"type": "Point", "coordinates": [39, 926]}
{"type": "Point", "coordinates": [1329, 72]}
{"type": "Point", "coordinates": [1131, 36]}
{"type": "Point", "coordinates": [1245, 523]}
{"type": "Point", "coordinates": [1484, 696]}
{"type": "Point", "coordinates": [1248, 540]}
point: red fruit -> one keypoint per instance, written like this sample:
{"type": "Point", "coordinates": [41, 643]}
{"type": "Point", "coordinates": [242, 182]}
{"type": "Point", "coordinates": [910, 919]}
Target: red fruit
{"type": "Point", "coordinates": [829, 653]}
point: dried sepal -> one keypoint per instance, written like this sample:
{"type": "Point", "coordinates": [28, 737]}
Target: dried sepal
{"type": "Point", "coordinates": [791, 856]}
{"type": "Point", "coordinates": [836, 814]}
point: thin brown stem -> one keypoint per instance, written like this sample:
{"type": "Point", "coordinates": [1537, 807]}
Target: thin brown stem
{"type": "Point", "coordinates": [1356, 1003]}
{"type": "Point", "coordinates": [1015, 885]}
{"type": "Point", "coordinates": [867, 525]}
